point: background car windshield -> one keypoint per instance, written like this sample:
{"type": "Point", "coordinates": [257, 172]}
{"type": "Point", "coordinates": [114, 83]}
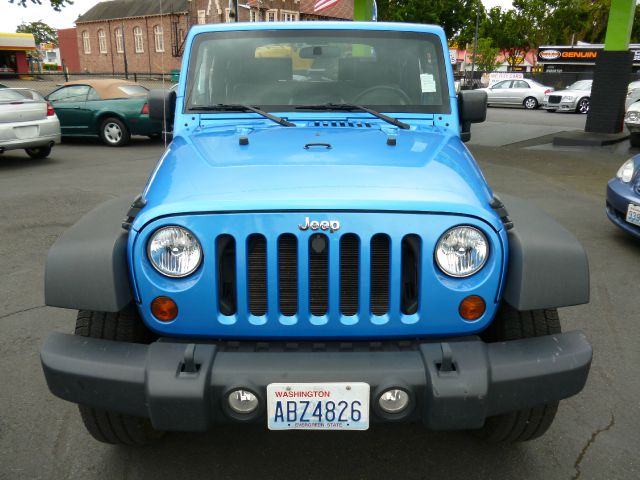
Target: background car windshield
{"type": "Point", "coordinates": [9, 95]}
{"type": "Point", "coordinates": [133, 90]}
{"type": "Point", "coordinates": [580, 85]}
{"type": "Point", "coordinates": [400, 71]}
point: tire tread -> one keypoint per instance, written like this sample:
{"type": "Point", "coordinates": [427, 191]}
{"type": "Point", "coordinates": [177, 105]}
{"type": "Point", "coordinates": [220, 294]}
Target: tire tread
{"type": "Point", "coordinates": [528, 423]}
{"type": "Point", "coordinates": [104, 425]}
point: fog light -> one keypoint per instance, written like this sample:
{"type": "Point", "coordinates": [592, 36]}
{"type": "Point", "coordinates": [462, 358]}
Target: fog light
{"type": "Point", "coordinates": [243, 401]}
{"type": "Point", "coordinates": [164, 309]}
{"type": "Point", "coordinates": [394, 400]}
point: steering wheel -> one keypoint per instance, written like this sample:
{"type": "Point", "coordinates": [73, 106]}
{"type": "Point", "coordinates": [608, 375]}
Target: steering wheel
{"type": "Point", "coordinates": [404, 98]}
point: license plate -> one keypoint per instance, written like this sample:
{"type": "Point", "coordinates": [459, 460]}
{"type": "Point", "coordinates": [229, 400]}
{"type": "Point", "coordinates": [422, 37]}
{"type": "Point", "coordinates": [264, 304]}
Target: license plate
{"type": "Point", "coordinates": [633, 214]}
{"type": "Point", "coordinates": [318, 406]}
{"type": "Point", "coordinates": [22, 133]}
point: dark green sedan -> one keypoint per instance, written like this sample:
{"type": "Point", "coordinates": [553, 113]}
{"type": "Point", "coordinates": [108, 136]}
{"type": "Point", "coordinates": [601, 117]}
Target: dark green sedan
{"type": "Point", "coordinates": [111, 109]}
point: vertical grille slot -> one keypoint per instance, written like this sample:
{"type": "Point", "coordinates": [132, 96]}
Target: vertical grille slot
{"type": "Point", "coordinates": [257, 274]}
{"type": "Point", "coordinates": [318, 274]}
{"type": "Point", "coordinates": [380, 274]}
{"type": "Point", "coordinates": [288, 274]}
{"type": "Point", "coordinates": [226, 264]}
{"type": "Point", "coordinates": [410, 274]}
{"type": "Point", "coordinates": [349, 264]}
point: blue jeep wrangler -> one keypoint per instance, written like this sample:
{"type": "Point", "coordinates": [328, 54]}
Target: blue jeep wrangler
{"type": "Point", "coordinates": [300, 259]}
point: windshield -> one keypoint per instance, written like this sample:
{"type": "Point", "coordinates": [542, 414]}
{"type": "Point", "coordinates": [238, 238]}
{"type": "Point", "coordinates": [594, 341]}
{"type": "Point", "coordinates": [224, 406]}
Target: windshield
{"type": "Point", "coordinates": [280, 70]}
{"type": "Point", "coordinates": [580, 85]}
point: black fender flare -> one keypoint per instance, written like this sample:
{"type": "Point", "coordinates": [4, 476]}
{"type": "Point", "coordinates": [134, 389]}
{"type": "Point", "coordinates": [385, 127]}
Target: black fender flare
{"type": "Point", "coordinates": [86, 268]}
{"type": "Point", "coordinates": [548, 267]}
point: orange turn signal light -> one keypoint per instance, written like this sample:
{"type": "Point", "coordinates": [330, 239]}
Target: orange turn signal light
{"type": "Point", "coordinates": [472, 307]}
{"type": "Point", "coordinates": [164, 309]}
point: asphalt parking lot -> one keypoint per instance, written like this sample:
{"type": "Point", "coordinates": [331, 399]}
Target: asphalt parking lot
{"type": "Point", "coordinates": [595, 436]}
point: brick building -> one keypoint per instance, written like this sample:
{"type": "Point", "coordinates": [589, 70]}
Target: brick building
{"type": "Point", "coordinates": [69, 54]}
{"type": "Point", "coordinates": [153, 40]}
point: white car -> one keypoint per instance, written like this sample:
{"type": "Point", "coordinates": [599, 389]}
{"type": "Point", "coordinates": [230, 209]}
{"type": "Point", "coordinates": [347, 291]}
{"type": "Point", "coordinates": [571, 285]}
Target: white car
{"type": "Point", "coordinates": [575, 98]}
{"type": "Point", "coordinates": [632, 122]}
{"type": "Point", "coordinates": [525, 92]}
{"type": "Point", "coordinates": [633, 93]}
{"type": "Point", "coordinates": [27, 124]}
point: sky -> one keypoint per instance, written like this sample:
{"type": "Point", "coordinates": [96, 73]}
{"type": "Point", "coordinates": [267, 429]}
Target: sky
{"type": "Point", "coordinates": [13, 14]}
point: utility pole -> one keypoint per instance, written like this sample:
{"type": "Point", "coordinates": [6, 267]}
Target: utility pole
{"type": "Point", "coordinates": [475, 46]}
{"type": "Point", "coordinates": [235, 8]}
{"type": "Point", "coordinates": [124, 52]}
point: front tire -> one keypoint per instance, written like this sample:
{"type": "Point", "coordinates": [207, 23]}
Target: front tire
{"type": "Point", "coordinates": [530, 103]}
{"type": "Point", "coordinates": [38, 152]}
{"type": "Point", "coordinates": [114, 132]}
{"type": "Point", "coordinates": [104, 425]}
{"type": "Point", "coordinates": [634, 139]}
{"type": "Point", "coordinates": [527, 423]}
{"type": "Point", "coordinates": [583, 106]}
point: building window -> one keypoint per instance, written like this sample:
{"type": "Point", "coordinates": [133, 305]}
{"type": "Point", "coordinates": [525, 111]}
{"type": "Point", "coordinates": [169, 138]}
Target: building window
{"type": "Point", "coordinates": [287, 16]}
{"type": "Point", "coordinates": [138, 40]}
{"type": "Point", "coordinates": [159, 38]}
{"type": "Point", "coordinates": [272, 15]}
{"type": "Point", "coordinates": [119, 40]}
{"type": "Point", "coordinates": [86, 44]}
{"type": "Point", "coordinates": [254, 15]}
{"type": "Point", "coordinates": [202, 17]}
{"type": "Point", "coordinates": [102, 41]}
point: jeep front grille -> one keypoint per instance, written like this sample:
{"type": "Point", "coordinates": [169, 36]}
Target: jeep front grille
{"type": "Point", "coordinates": [314, 259]}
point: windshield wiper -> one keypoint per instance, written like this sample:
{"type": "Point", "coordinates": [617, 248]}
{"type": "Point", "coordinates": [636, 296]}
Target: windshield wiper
{"type": "Point", "coordinates": [350, 107]}
{"type": "Point", "coordinates": [221, 107]}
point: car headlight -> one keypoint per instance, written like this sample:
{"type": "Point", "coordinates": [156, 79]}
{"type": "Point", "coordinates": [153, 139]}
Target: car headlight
{"type": "Point", "coordinates": [632, 117]}
{"type": "Point", "coordinates": [462, 251]}
{"type": "Point", "coordinates": [625, 172]}
{"type": "Point", "coordinates": [568, 98]}
{"type": "Point", "coordinates": [174, 251]}
{"type": "Point", "coordinates": [545, 98]}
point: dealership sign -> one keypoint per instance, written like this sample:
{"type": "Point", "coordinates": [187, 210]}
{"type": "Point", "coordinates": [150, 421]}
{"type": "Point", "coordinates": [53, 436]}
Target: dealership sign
{"type": "Point", "coordinates": [574, 55]}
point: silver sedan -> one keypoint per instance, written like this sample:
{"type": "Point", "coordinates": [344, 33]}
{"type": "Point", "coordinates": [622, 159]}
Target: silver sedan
{"type": "Point", "coordinates": [575, 98]}
{"type": "Point", "coordinates": [27, 123]}
{"type": "Point", "coordinates": [525, 92]}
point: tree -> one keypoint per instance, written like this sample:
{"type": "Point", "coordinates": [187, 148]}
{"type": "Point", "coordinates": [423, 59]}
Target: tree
{"type": "Point", "coordinates": [42, 32]}
{"type": "Point", "coordinates": [451, 15]}
{"type": "Point", "coordinates": [486, 55]}
{"type": "Point", "coordinates": [57, 5]}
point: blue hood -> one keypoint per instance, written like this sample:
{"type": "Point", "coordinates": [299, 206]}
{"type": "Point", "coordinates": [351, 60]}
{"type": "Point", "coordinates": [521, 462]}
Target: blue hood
{"type": "Point", "coordinates": [428, 170]}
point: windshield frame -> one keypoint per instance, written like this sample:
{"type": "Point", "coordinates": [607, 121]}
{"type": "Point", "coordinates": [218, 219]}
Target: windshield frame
{"type": "Point", "coordinates": [332, 34]}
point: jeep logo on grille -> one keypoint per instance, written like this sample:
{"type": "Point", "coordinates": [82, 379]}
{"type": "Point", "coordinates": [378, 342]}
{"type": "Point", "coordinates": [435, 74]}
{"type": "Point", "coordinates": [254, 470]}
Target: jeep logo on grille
{"type": "Point", "coordinates": [331, 225]}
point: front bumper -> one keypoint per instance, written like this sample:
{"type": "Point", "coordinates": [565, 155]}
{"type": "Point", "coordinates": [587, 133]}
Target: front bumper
{"type": "Point", "coordinates": [561, 107]}
{"type": "Point", "coordinates": [632, 127]}
{"type": "Point", "coordinates": [454, 384]}
{"type": "Point", "coordinates": [619, 196]}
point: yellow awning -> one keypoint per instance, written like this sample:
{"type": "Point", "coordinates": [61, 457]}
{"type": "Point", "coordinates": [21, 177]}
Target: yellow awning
{"type": "Point", "coordinates": [17, 41]}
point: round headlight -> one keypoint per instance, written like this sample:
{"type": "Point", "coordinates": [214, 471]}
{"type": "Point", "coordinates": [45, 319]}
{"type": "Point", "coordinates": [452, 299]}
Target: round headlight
{"type": "Point", "coordinates": [462, 251]}
{"type": "Point", "coordinates": [174, 251]}
{"type": "Point", "coordinates": [625, 172]}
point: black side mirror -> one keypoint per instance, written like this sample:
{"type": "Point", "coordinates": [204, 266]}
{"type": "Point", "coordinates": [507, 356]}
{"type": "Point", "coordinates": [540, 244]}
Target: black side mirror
{"type": "Point", "coordinates": [162, 105]}
{"type": "Point", "coordinates": [472, 108]}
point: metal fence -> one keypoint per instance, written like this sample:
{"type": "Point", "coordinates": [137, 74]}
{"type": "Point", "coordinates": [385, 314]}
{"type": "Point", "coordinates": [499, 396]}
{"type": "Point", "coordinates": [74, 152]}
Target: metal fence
{"type": "Point", "coordinates": [46, 82]}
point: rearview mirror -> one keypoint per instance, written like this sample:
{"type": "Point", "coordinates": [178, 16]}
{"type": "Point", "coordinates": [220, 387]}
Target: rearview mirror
{"type": "Point", "coordinates": [472, 108]}
{"type": "Point", "coordinates": [319, 51]}
{"type": "Point", "coordinates": [162, 105]}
